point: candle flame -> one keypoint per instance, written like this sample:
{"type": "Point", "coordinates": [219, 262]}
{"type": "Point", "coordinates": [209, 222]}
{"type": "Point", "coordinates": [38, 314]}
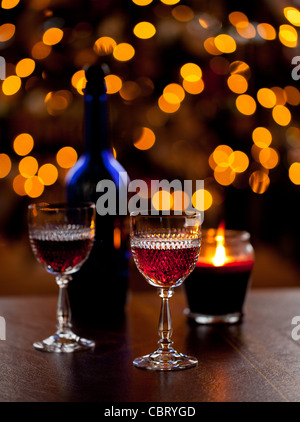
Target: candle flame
{"type": "Point", "coordinates": [220, 256]}
{"type": "Point", "coordinates": [220, 236]}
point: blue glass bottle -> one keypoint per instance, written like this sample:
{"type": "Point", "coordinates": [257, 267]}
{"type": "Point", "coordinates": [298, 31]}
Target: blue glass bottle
{"type": "Point", "coordinates": [99, 289]}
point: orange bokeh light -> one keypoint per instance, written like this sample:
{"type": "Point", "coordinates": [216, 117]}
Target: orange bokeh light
{"type": "Point", "coordinates": [146, 139]}
{"type": "Point", "coordinates": [246, 104]}
{"type": "Point", "coordinates": [5, 165]}
{"type": "Point", "coordinates": [123, 52]}
{"type": "Point", "coordinates": [52, 36]}
{"type": "Point", "coordinates": [23, 144]}
{"type": "Point", "coordinates": [104, 46]}
{"type": "Point", "coordinates": [66, 157]}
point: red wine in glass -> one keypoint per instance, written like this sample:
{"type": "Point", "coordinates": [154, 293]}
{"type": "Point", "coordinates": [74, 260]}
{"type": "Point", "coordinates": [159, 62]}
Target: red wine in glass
{"type": "Point", "coordinates": [165, 262]}
{"type": "Point", "coordinates": [165, 249]}
{"type": "Point", "coordinates": [61, 237]}
{"type": "Point", "coordinates": [63, 250]}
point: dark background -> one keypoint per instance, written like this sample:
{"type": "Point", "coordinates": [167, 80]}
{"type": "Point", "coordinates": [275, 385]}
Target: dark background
{"type": "Point", "coordinates": [184, 140]}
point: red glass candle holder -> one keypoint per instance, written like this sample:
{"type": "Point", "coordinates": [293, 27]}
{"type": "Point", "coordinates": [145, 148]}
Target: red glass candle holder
{"type": "Point", "coordinates": [217, 288]}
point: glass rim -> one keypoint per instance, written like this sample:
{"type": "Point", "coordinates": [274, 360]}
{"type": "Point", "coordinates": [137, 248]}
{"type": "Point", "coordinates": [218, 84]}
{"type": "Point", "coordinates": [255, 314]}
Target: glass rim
{"type": "Point", "coordinates": [59, 206]}
{"type": "Point", "coordinates": [185, 214]}
{"type": "Point", "coordinates": [229, 235]}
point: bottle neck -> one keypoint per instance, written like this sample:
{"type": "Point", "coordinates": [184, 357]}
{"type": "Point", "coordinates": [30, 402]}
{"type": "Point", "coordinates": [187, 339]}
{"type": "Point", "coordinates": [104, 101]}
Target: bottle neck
{"type": "Point", "coordinates": [96, 126]}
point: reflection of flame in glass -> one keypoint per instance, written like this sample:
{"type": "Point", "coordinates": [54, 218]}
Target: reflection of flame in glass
{"type": "Point", "coordinates": [220, 256]}
{"type": "Point", "coordinates": [117, 238]}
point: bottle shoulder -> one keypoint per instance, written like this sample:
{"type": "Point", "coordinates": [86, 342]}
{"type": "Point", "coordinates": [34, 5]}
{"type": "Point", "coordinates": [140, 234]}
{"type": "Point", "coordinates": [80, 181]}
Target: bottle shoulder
{"type": "Point", "coordinates": [93, 169]}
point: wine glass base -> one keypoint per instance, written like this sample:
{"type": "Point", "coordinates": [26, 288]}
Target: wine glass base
{"type": "Point", "coordinates": [64, 343]}
{"type": "Point", "coordinates": [166, 361]}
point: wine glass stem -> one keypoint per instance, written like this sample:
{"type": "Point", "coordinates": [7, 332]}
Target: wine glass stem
{"type": "Point", "coordinates": [165, 328]}
{"type": "Point", "coordinates": [63, 312]}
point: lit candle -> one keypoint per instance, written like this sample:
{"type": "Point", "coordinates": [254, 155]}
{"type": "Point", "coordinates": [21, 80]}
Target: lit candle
{"type": "Point", "coordinates": [217, 288]}
{"type": "Point", "coordinates": [220, 258]}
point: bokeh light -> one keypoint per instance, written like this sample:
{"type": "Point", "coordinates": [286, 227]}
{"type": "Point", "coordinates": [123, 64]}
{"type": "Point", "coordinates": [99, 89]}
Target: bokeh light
{"type": "Point", "coordinates": [162, 200]}
{"type": "Point", "coordinates": [241, 68]}
{"type": "Point", "coordinates": [266, 31]}
{"type": "Point", "coordinates": [5, 165]}
{"type": "Point", "coordinates": [183, 13]}
{"type": "Point", "coordinates": [246, 104]}
{"type": "Point", "coordinates": [255, 150]}
{"type": "Point", "coordinates": [237, 83]}
{"type": "Point", "coordinates": [288, 36]}
{"type": "Point", "coordinates": [144, 30]}
{"type": "Point", "coordinates": [123, 52]}
{"type": "Point", "coordinates": [224, 176]}
{"type": "Point", "coordinates": [9, 4]}
{"type": "Point", "coordinates": [262, 137]}
{"type": "Point", "coordinates": [294, 173]}
{"type": "Point", "coordinates": [237, 17]}
{"type": "Point", "coordinates": [167, 107]}
{"type": "Point", "coordinates": [163, 98]}
{"type": "Point", "coordinates": [52, 36]}
{"type": "Point", "coordinates": [180, 200]}
{"type": "Point", "coordinates": [174, 93]}
{"type": "Point", "coordinates": [191, 72]}
{"type": "Point", "coordinates": [259, 181]}
{"type": "Point", "coordinates": [202, 200]}
{"type": "Point", "coordinates": [130, 90]}
{"type": "Point", "coordinates": [142, 2]}
{"type": "Point", "coordinates": [33, 187]}
{"type": "Point", "coordinates": [193, 87]}
{"type": "Point", "coordinates": [281, 115]}
{"type": "Point", "coordinates": [11, 85]}
{"type": "Point", "coordinates": [28, 166]}
{"type": "Point", "coordinates": [268, 158]}
{"type": "Point", "coordinates": [48, 174]}
{"type": "Point", "coordinates": [146, 139]}
{"type": "Point", "coordinates": [66, 157]}
{"type": "Point", "coordinates": [170, 2]}
{"type": "Point", "coordinates": [225, 43]}
{"type": "Point", "coordinates": [266, 97]}
{"type": "Point", "coordinates": [104, 46]}
{"type": "Point", "coordinates": [113, 83]}
{"type": "Point", "coordinates": [19, 185]}
{"type": "Point", "coordinates": [25, 67]}
{"type": "Point", "coordinates": [239, 161]}
{"type": "Point", "coordinates": [40, 50]}
{"type": "Point", "coordinates": [280, 93]}
{"type": "Point", "coordinates": [246, 30]}
{"type": "Point", "coordinates": [23, 144]}
{"type": "Point", "coordinates": [292, 95]}
{"type": "Point", "coordinates": [78, 81]}
{"type": "Point", "coordinates": [227, 163]}
{"type": "Point", "coordinates": [221, 156]}
{"type": "Point", "coordinates": [292, 15]}
{"type": "Point", "coordinates": [57, 102]}
{"type": "Point", "coordinates": [7, 31]}
{"type": "Point", "coordinates": [210, 46]}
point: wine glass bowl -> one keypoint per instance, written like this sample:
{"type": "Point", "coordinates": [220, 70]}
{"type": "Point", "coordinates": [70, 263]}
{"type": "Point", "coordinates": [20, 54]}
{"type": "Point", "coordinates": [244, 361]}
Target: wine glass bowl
{"type": "Point", "coordinates": [165, 260]}
{"type": "Point", "coordinates": [61, 237]}
{"type": "Point", "coordinates": [165, 250]}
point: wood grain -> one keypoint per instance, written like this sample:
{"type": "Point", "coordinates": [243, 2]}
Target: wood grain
{"type": "Point", "coordinates": [255, 361]}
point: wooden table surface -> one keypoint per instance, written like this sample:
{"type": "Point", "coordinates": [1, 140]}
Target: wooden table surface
{"type": "Point", "coordinates": [255, 361]}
